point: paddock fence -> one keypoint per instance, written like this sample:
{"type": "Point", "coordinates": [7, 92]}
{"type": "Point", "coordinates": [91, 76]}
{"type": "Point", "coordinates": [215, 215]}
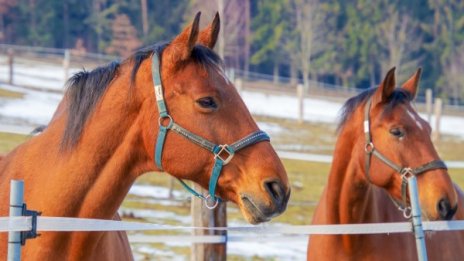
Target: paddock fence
{"type": "Point", "coordinates": [23, 224]}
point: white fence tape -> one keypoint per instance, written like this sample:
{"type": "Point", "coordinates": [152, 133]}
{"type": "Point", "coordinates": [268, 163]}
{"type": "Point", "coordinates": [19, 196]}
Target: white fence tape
{"type": "Point", "coordinates": [15, 224]}
{"type": "Point", "coordinates": [80, 224]}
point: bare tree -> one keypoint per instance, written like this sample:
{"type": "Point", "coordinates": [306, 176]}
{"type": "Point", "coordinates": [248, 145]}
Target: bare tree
{"type": "Point", "coordinates": [454, 75]}
{"type": "Point", "coordinates": [310, 35]}
{"type": "Point", "coordinates": [233, 27]}
{"type": "Point", "coordinates": [144, 11]}
{"type": "Point", "coordinates": [399, 38]}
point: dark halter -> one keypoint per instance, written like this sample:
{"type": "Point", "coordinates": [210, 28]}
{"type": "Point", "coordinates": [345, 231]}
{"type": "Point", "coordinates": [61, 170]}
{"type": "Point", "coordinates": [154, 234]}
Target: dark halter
{"type": "Point", "coordinates": [405, 172]}
{"type": "Point", "coordinates": [222, 154]}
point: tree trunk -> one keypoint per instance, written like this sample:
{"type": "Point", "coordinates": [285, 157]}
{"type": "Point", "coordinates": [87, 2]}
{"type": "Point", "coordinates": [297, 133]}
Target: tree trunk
{"type": "Point", "coordinates": [293, 74]}
{"type": "Point", "coordinates": [144, 10]}
{"type": "Point", "coordinates": [66, 43]}
{"type": "Point", "coordinates": [246, 65]}
{"type": "Point", "coordinates": [275, 74]}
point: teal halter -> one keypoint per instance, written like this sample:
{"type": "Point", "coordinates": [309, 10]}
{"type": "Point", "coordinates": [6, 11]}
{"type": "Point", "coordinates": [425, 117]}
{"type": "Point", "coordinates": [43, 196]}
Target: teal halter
{"type": "Point", "coordinates": [223, 154]}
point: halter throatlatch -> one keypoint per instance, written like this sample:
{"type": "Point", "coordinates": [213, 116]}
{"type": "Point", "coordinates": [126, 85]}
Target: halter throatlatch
{"type": "Point", "coordinates": [405, 172]}
{"type": "Point", "coordinates": [222, 154]}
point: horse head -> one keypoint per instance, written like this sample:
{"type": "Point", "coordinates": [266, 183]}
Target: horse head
{"type": "Point", "coordinates": [398, 144]}
{"type": "Point", "coordinates": [200, 98]}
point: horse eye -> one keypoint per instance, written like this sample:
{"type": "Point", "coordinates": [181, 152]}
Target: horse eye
{"type": "Point", "coordinates": [207, 103]}
{"type": "Point", "coordinates": [397, 132]}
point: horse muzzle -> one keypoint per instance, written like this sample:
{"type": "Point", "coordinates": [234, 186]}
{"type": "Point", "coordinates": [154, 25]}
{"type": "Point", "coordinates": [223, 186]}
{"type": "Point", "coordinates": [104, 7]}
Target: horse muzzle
{"type": "Point", "coordinates": [258, 210]}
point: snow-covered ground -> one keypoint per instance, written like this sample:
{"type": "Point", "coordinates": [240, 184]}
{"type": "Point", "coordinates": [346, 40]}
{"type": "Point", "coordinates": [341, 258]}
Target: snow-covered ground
{"type": "Point", "coordinates": [37, 108]}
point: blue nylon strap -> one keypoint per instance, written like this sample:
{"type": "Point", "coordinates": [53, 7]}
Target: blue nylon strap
{"type": "Point", "coordinates": [253, 138]}
{"type": "Point", "coordinates": [189, 189]}
{"type": "Point", "coordinates": [215, 177]}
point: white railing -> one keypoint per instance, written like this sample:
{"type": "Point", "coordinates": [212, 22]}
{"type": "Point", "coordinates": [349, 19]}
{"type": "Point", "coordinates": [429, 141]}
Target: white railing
{"type": "Point", "coordinates": [16, 223]}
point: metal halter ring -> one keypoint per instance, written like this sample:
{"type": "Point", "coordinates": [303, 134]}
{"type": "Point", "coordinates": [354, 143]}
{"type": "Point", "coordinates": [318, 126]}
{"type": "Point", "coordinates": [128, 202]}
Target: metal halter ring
{"type": "Point", "coordinates": [224, 148]}
{"type": "Point", "coordinates": [161, 118]}
{"type": "Point", "coordinates": [207, 199]}
{"type": "Point", "coordinates": [369, 148]}
{"type": "Point", "coordinates": [406, 173]}
{"type": "Point", "coordinates": [407, 212]}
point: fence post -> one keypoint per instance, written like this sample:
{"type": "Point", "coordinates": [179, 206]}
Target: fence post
{"type": "Point", "coordinates": [171, 187]}
{"type": "Point", "coordinates": [204, 217]}
{"type": "Point", "coordinates": [428, 104]}
{"type": "Point", "coordinates": [10, 53]}
{"type": "Point", "coordinates": [300, 96]}
{"type": "Point", "coordinates": [438, 108]}
{"type": "Point", "coordinates": [16, 209]}
{"type": "Point", "coordinates": [238, 84]}
{"type": "Point", "coordinates": [66, 62]}
{"type": "Point", "coordinates": [416, 219]}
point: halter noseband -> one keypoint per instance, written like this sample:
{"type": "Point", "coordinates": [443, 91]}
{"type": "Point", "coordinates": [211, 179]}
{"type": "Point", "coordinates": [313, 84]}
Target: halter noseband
{"type": "Point", "coordinates": [223, 154]}
{"type": "Point", "coordinates": [405, 172]}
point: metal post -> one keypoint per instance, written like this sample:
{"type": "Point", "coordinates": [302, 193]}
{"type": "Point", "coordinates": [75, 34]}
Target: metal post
{"type": "Point", "coordinates": [16, 209]}
{"type": "Point", "coordinates": [416, 219]}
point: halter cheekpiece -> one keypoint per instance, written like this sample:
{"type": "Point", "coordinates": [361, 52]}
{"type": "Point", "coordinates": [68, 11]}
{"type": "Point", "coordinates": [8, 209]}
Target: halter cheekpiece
{"type": "Point", "coordinates": [405, 172]}
{"type": "Point", "coordinates": [222, 154]}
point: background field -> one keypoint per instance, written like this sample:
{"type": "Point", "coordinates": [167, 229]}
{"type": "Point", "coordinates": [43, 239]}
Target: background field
{"type": "Point", "coordinates": [148, 201]}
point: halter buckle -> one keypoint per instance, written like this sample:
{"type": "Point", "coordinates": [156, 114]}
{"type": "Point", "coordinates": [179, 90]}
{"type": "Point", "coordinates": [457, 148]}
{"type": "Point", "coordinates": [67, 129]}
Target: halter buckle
{"type": "Point", "coordinates": [207, 199]}
{"type": "Point", "coordinates": [224, 149]}
{"type": "Point", "coordinates": [369, 148]}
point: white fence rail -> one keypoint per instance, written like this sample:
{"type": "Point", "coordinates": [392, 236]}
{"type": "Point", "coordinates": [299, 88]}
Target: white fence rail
{"type": "Point", "coordinates": [16, 224]}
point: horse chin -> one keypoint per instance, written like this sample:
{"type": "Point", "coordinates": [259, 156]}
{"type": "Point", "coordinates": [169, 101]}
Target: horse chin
{"type": "Point", "coordinates": [253, 212]}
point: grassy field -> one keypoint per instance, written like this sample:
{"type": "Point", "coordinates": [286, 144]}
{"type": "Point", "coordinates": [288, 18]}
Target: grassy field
{"type": "Point", "coordinates": [307, 178]}
{"type": "Point", "coordinates": [10, 94]}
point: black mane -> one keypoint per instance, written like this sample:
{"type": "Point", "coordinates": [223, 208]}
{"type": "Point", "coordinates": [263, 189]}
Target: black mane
{"type": "Point", "coordinates": [85, 88]}
{"type": "Point", "coordinates": [398, 96]}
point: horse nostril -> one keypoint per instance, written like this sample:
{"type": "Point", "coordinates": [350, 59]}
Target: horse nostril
{"type": "Point", "coordinates": [445, 210]}
{"type": "Point", "coordinates": [276, 192]}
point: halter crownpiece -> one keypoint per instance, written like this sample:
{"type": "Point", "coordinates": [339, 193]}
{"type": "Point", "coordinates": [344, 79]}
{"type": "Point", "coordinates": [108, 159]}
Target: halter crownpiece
{"type": "Point", "coordinates": [222, 154]}
{"type": "Point", "coordinates": [405, 172]}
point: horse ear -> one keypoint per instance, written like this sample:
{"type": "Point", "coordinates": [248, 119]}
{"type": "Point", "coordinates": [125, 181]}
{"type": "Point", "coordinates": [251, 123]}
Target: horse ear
{"type": "Point", "coordinates": [412, 84]}
{"type": "Point", "coordinates": [208, 37]}
{"type": "Point", "coordinates": [386, 88]}
{"type": "Point", "coordinates": [181, 47]}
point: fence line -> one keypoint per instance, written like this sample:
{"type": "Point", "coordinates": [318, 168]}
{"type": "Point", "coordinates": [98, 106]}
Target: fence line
{"type": "Point", "coordinates": [18, 234]}
{"type": "Point", "coordinates": [63, 224]}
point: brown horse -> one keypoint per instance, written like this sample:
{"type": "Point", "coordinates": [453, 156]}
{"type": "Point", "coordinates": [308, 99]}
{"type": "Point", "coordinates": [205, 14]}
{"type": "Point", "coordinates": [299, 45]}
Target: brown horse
{"type": "Point", "coordinates": [354, 195]}
{"type": "Point", "coordinates": [103, 136]}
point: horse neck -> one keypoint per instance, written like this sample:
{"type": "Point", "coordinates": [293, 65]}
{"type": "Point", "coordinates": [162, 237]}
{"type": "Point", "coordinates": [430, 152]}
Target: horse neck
{"type": "Point", "coordinates": [111, 152]}
{"type": "Point", "coordinates": [348, 192]}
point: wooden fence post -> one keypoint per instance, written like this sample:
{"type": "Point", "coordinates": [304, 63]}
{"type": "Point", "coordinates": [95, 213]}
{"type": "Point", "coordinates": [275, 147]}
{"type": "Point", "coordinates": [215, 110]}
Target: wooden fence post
{"type": "Point", "coordinates": [428, 104]}
{"type": "Point", "coordinates": [300, 96]}
{"type": "Point", "coordinates": [238, 84]}
{"type": "Point", "coordinates": [438, 109]}
{"type": "Point", "coordinates": [204, 217]}
{"type": "Point", "coordinates": [171, 187]}
{"type": "Point", "coordinates": [10, 53]}
{"type": "Point", "coordinates": [66, 62]}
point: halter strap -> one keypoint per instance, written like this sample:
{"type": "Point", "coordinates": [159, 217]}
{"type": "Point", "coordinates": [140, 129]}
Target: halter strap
{"type": "Point", "coordinates": [405, 172]}
{"type": "Point", "coordinates": [222, 154]}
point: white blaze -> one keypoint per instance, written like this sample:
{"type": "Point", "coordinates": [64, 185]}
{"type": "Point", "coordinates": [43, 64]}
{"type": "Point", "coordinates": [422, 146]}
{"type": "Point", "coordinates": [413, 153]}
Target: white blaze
{"type": "Point", "coordinates": [415, 118]}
